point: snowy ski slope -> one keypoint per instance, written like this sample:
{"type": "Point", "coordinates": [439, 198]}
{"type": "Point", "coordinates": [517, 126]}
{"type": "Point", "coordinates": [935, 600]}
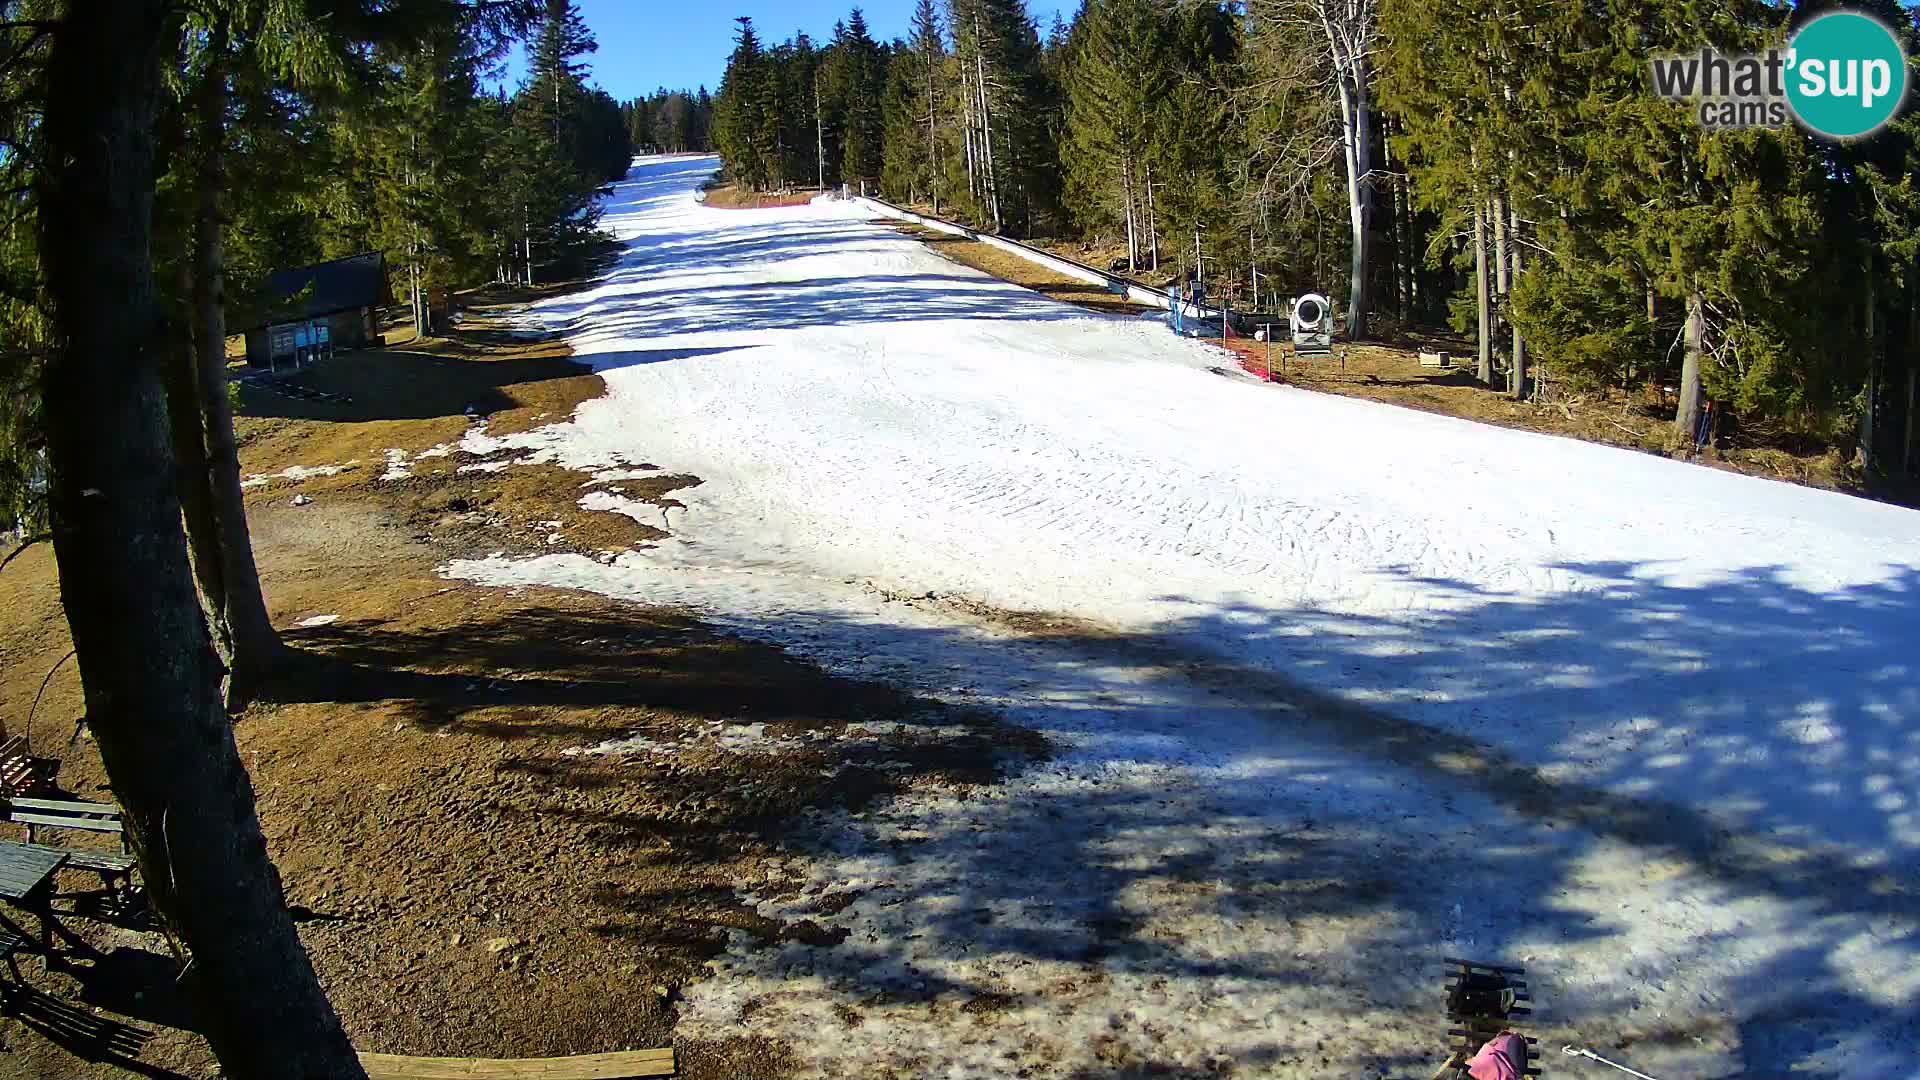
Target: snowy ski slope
{"type": "Point", "coordinates": [1370, 686]}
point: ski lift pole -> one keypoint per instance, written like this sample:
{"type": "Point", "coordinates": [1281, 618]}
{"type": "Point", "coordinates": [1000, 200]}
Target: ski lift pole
{"type": "Point", "coordinates": [1581, 1051]}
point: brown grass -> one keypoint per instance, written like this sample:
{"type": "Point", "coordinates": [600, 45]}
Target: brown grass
{"type": "Point", "coordinates": [734, 197]}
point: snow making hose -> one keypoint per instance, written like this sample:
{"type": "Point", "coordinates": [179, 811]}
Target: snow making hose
{"type": "Point", "coordinates": [1581, 1051]}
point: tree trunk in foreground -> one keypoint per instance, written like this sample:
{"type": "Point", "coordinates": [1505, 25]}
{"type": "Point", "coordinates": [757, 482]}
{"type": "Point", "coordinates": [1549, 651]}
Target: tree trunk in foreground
{"type": "Point", "coordinates": [187, 429]}
{"type": "Point", "coordinates": [1688, 414]}
{"type": "Point", "coordinates": [1485, 313]}
{"type": "Point", "coordinates": [242, 608]}
{"type": "Point", "coordinates": [1517, 381]}
{"type": "Point", "coordinates": [1356, 119]}
{"type": "Point", "coordinates": [150, 675]}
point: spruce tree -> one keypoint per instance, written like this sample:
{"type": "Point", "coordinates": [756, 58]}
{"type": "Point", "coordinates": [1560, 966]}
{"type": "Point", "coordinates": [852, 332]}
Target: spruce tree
{"type": "Point", "coordinates": [567, 132]}
{"type": "Point", "coordinates": [916, 88]}
{"type": "Point", "coordinates": [1115, 93]}
{"type": "Point", "coordinates": [746, 121]}
{"type": "Point", "coordinates": [863, 78]}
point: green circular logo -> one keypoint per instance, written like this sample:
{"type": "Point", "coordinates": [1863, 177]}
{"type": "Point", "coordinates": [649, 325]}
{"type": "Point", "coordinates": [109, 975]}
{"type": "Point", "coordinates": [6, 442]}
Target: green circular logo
{"type": "Point", "coordinates": [1846, 74]}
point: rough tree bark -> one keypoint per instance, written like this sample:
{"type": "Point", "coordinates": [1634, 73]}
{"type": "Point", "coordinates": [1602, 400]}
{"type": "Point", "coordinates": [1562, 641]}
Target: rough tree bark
{"type": "Point", "coordinates": [1485, 313]}
{"type": "Point", "coordinates": [1870, 400]}
{"type": "Point", "coordinates": [196, 497]}
{"type": "Point", "coordinates": [933, 141]}
{"type": "Point", "coordinates": [1517, 380]}
{"type": "Point", "coordinates": [188, 430]}
{"type": "Point", "coordinates": [1399, 267]}
{"type": "Point", "coordinates": [1351, 29]}
{"type": "Point", "coordinates": [1500, 283]}
{"type": "Point", "coordinates": [1153, 224]}
{"type": "Point", "coordinates": [1688, 413]}
{"type": "Point", "coordinates": [986, 128]}
{"type": "Point", "coordinates": [1356, 119]}
{"type": "Point", "coordinates": [242, 607]}
{"type": "Point", "coordinates": [1653, 316]}
{"type": "Point", "coordinates": [147, 664]}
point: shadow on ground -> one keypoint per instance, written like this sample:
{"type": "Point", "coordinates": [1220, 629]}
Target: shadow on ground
{"type": "Point", "coordinates": [1644, 728]}
{"type": "Point", "coordinates": [129, 982]}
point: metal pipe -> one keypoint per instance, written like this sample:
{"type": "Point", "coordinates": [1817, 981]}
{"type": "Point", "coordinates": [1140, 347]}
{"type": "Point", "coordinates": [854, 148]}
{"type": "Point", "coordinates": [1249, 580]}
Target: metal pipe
{"type": "Point", "coordinates": [1581, 1051]}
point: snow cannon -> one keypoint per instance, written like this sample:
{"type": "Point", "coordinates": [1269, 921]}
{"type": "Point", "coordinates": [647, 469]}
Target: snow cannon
{"type": "Point", "coordinates": [1311, 323]}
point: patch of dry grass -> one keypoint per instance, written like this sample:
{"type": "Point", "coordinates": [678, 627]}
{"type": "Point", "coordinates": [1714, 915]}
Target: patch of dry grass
{"type": "Point", "coordinates": [734, 197]}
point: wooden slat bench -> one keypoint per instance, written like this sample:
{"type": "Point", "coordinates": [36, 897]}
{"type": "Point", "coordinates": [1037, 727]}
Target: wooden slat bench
{"type": "Point", "coordinates": [624, 1065]}
{"type": "Point", "coordinates": [105, 863]}
{"type": "Point", "coordinates": [19, 775]}
{"type": "Point", "coordinates": [38, 814]}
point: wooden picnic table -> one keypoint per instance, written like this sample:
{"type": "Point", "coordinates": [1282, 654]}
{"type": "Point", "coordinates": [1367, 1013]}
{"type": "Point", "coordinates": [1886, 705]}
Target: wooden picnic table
{"type": "Point", "coordinates": [25, 869]}
{"type": "Point", "coordinates": [26, 881]}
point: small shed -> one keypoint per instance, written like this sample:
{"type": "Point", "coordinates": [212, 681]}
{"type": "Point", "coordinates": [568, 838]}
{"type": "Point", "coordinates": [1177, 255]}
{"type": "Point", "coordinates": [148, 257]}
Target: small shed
{"type": "Point", "coordinates": [318, 308]}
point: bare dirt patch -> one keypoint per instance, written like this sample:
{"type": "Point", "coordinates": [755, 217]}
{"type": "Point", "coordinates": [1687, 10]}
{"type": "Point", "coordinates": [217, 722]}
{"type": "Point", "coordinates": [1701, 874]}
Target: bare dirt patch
{"type": "Point", "coordinates": [471, 876]}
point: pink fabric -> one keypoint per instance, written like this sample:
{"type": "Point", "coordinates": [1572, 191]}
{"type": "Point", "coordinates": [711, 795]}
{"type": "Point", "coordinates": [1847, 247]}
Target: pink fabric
{"type": "Point", "coordinates": [1502, 1058]}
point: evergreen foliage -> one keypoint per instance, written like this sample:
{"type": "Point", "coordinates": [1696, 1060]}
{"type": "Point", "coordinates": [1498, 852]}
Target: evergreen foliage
{"type": "Point", "coordinates": [1254, 144]}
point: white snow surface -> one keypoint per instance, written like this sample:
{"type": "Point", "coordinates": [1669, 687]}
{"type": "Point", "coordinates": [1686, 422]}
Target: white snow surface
{"type": "Point", "coordinates": [296, 473]}
{"type": "Point", "coordinates": [1374, 686]}
{"type": "Point", "coordinates": [398, 467]}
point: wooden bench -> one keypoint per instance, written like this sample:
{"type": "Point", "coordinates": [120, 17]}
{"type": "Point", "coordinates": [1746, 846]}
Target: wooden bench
{"type": "Point", "coordinates": [625, 1065]}
{"type": "Point", "coordinates": [19, 775]}
{"type": "Point", "coordinates": [108, 865]}
{"type": "Point", "coordinates": [38, 814]}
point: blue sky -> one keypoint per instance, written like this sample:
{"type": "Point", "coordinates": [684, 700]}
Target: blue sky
{"type": "Point", "coordinates": [646, 44]}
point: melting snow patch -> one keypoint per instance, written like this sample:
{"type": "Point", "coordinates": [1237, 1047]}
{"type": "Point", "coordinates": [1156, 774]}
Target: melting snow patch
{"type": "Point", "coordinates": [396, 466]}
{"type": "Point", "coordinates": [607, 476]}
{"type": "Point", "coordinates": [295, 473]}
{"type": "Point", "coordinates": [733, 738]}
{"type": "Point", "coordinates": [612, 503]}
{"type": "Point", "coordinates": [754, 739]}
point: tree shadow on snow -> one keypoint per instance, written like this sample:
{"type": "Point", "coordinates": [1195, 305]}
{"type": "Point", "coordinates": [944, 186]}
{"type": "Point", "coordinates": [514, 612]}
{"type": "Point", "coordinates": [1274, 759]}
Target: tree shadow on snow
{"type": "Point", "coordinates": [1758, 739]}
{"type": "Point", "coordinates": [1757, 736]}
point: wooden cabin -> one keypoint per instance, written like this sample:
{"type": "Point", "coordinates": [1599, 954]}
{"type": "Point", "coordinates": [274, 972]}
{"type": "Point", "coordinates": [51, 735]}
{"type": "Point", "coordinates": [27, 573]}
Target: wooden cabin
{"type": "Point", "coordinates": [314, 310]}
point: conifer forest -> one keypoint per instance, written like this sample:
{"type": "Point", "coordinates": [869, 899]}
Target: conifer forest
{"type": "Point", "coordinates": [1500, 169]}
